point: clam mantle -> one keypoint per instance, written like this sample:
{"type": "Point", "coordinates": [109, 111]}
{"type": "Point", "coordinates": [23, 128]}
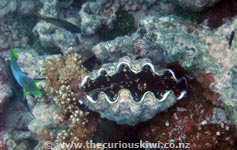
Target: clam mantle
{"type": "Point", "coordinates": [131, 91]}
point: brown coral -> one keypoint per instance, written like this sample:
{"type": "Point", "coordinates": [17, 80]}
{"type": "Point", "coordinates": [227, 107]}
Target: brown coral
{"type": "Point", "coordinates": [79, 133]}
{"type": "Point", "coordinates": [63, 74]}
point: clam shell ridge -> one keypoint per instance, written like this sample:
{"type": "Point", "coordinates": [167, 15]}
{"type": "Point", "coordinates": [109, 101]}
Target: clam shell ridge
{"type": "Point", "coordinates": [124, 109]}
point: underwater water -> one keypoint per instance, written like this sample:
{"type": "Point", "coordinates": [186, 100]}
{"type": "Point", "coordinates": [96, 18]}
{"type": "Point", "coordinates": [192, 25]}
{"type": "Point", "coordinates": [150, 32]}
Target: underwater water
{"type": "Point", "coordinates": [122, 74]}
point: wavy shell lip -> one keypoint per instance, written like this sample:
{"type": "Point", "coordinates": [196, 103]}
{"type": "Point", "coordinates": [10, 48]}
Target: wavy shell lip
{"type": "Point", "coordinates": [125, 63]}
{"type": "Point", "coordinates": [136, 70]}
{"type": "Point", "coordinates": [183, 93]}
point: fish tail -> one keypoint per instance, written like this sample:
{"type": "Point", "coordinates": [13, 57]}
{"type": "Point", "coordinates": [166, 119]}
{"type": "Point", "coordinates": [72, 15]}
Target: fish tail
{"type": "Point", "coordinates": [40, 16]}
{"type": "Point", "coordinates": [27, 106]}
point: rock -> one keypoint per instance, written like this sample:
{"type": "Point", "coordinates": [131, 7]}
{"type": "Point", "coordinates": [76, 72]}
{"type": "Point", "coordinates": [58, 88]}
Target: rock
{"type": "Point", "coordinates": [53, 37]}
{"type": "Point", "coordinates": [132, 46]}
{"type": "Point", "coordinates": [16, 23]}
{"type": "Point", "coordinates": [7, 7]}
{"type": "Point", "coordinates": [45, 117]}
{"type": "Point", "coordinates": [95, 14]}
{"type": "Point", "coordinates": [19, 140]}
{"type": "Point", "coordinates": [5, 94]}
{"type": "Point", "coordinates": [129, 5]}
{"type": "Point", "coordinates": [195, 6]}
{"type": "Point", "coordinates": [219, 115]}
{"type": "Point", "coordinates": [22, 7]}
{"type": "Point", "coordinates": [16, 31]}
{"type": "Point", "coordinates": [49, 7]}
{"type": "Point", "coordinates": [5, 91]}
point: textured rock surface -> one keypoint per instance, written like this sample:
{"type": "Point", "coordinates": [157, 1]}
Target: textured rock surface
{"type": "Point", "coordinates": [22, 7]}
{"type": "Point", "coordinates": [19, 140]}
{"type": "Point", "coordinates": [16, 29]}
{"type": "Point", "coordinates": [45, 117]}
{"type": "Point", "coordinates": [92, 18]}
{"type": "Point", "coordinates": [51, 36]}
{"type": "Point", "coordinates": [5, 91]}
{"type": "Point", "coordinates": [93, 15]}
{"type": "Point", "coordinates": [196, 5]}
{"type": "Point", "coordinates": [135, 5]}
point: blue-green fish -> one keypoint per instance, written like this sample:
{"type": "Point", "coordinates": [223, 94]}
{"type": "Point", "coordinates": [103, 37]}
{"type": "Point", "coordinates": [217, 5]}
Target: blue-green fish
{"type": "Point", "coordinates": [24, 81]}
{"type": "Point", "coordinates": [27, 83]}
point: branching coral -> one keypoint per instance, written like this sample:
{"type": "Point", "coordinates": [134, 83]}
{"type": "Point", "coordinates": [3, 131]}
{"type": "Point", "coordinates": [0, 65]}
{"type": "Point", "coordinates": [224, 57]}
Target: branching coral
{"type": "Point", "coordinates": [77, 134]}
{"type": "Point", "coordinates": [63, 73]}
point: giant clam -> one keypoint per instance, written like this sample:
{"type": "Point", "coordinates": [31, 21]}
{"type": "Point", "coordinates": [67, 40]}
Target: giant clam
{"type": "Point", "coordinates": [131, 91]}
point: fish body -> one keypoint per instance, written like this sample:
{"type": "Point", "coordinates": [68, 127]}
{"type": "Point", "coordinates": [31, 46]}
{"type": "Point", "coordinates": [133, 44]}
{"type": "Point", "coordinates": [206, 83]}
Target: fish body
{"type": "Point", "coordinates": [60, 23]}
{"type": "Point", "coordinates": [231, 38]}
{"type": "Point", "coordinates": [27, 83]}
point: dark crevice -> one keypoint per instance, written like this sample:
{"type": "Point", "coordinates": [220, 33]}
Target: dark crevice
{"type": "Point", "coordinates": [221, 13]}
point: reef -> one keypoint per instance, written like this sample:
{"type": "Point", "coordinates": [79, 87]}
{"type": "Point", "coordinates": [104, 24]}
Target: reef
{"type": "Point", "coordinates": [129, 91]}
{"type": "Point", "coordinates": [118, 81]}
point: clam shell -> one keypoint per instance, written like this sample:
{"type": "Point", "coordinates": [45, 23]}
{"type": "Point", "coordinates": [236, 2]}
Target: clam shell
{"type": "Point", "coordinates": [124, 109]}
